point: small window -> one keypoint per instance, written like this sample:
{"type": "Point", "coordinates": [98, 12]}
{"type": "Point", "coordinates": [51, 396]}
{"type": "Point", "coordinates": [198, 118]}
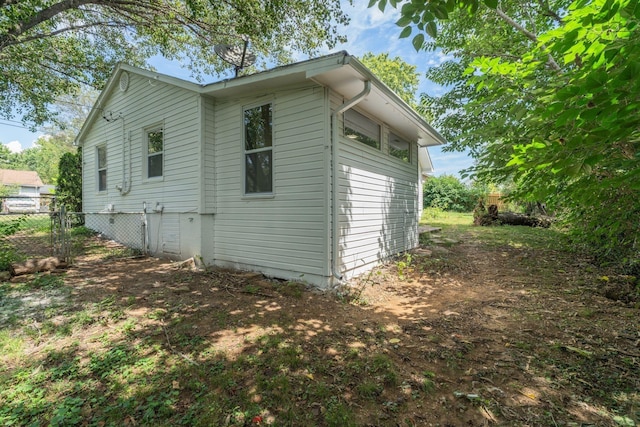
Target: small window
{"type": "Point", "coordinates": [361, 128]}
{"type": "Point", "coordinates": [399, 147]}
{"type": "Point", "coordinates": [101, 154]}
{"type": "Point", "coordinates": [258, 149]}
{"type": "Point", "coordinates": [155, 150]}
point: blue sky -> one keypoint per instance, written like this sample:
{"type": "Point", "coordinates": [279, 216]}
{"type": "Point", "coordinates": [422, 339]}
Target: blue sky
{"type": "Point", "coordinates": [369, 31]}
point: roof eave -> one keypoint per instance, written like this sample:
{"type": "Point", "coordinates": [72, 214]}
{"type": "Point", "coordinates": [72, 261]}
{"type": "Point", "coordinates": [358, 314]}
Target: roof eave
{"type": "Point", "coordinates": [432, 137]}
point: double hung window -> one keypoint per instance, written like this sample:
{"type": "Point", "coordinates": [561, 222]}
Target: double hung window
{"type": "Point", "coordinates": [101, 155]}
{"type": "Point", "coordinates": [258, 149]}
{"type": "Point", "coordinates": [155, 152]}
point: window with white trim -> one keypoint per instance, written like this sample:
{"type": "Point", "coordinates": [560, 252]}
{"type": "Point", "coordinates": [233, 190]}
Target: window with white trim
{"type": "Point", "coordinates": [101, 163]}
{"type": "Point", "coordinates": [399, 147]}
{"type": "Point", "coordinates": [258, 149]}
{"type": "Point", "coordinates": [155, 152]}
{"type": "Point", "coordinates": [361, 128]}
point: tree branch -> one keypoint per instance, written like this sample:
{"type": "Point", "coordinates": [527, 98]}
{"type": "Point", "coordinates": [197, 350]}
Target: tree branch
{"type": "Point", "coordinates": [64, 30]}
{"type": "Point", "coordinates": [528, 34]}
{"type": "Point", "coordinates": [546, 10]}
{"type": "Point", "coordinates": [44, 15]}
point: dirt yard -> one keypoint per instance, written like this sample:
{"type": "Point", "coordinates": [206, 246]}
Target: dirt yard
{"type": "Point", "coordinates": [464, 332]}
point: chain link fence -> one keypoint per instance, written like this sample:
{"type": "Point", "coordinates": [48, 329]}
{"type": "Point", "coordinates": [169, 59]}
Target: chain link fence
{"type": "Point", "coordinates": [105, 234]}
{"type": "Point", "coordinates": [33, 228]}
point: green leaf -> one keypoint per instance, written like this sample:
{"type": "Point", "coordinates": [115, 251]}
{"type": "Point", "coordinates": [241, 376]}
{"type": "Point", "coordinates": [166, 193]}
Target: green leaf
{"type": "Point", "coordinates": [593, 160]}
{"type": "Point", "coordinates": [372, 2]}
{"type": "Point", "coordinates": [440, 11]}
{"type": "Point", "coordinates": [431, 29]}
{"type": "Point", "coordinates": [382, 4]}
{"type": "Point", "coordinates": [451, 5]}
{"type": "Point", "coordinates": [568, 115]}
{"type": "Point", "coordinates": [406, 32]}
{"type": "Point", "coordinates": [418, 42]}
{"type": "Point", "coordinates": [491, 3]}
{"type": "Point", "coordinates": [515, 160]}
{"type": "Point", "coordinates": [408, 9]}
{"type": "Point", "coordinates": [404, 21]}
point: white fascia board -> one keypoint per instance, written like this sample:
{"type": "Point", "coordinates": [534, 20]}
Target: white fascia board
{"type": "Point", "coordinates": [424, 160]}
{"type": "Point", "coordinates": [284, 75]}
{"type": "Point", "coordinates": [428, 135]}
{"type": "Point", "coordinates": [382, 102]}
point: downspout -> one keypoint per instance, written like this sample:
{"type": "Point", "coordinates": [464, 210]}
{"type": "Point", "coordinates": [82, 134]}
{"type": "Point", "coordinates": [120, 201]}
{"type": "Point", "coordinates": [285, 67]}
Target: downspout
{"type": "Point", "coordinates": [335, 270]}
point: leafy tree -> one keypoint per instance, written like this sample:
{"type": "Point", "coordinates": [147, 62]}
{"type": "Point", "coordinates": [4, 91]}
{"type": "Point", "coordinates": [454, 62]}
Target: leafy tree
{"type": "Point", "coordinates": [6, 157]}
{"type": "Point", "coordinates": [44, 156]}
{"type": "Point", "coordinates": [401, 77]}
{"type": "Point", "coordinates": [567, 129]}
{"type": "Point", "coordinates": [69, 187]}
{"type": "Point", "coordinates": [50, 48]}
{"type": "Point", "coordinates": [7, 190]}
{"type": "Point", "coordinates": [450, 194]}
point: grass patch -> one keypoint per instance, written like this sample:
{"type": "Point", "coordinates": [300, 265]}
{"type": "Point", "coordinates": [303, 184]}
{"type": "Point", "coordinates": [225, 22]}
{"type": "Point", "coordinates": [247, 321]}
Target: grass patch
{"type": "Point", "coordinates": [460, 226]}
{"type": "Point", "coordinates": [131, 348]}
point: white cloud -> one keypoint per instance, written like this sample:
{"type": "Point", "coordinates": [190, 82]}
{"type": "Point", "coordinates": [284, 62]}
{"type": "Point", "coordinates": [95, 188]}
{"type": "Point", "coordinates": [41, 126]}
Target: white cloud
{"type": "Point", "coordinates": [438, 58]}
{"type": "Point", "coordinates": [449, 163]}
{"type": "Point", "coordinates": [14, 146]}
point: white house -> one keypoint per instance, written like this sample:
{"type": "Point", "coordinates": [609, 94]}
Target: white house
{"type": "Point", "coordinates": [25, 190]}
{"type": "Point", "coordinates": [309, 171]}
{"type": "Point", "coordinates": [26, 183]}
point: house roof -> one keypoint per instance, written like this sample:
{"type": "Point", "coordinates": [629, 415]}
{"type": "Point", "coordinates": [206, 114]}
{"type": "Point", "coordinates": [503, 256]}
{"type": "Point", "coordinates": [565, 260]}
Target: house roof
{"type": "Point", "coordinates": [47, 189]}
{"type": "Point", "coordinates": [24, 178]}
{"type": "Point", "coordinates": [339, 71]}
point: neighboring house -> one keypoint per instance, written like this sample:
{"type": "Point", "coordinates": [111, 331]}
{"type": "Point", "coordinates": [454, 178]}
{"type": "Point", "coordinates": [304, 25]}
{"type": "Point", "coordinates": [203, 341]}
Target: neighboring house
{"type": "Point", "coordinates": [26, 197]}
{"type": "Point", "coordinates": [310, 171]}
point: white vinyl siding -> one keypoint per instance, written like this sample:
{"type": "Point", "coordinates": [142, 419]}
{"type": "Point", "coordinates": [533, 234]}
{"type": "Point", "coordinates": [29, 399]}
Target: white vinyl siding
{"type": "Point", "coordinates": [208, 159]}
{"type": "Point", "coordinates": [284, 233]}
{"type": "Point", "coordinates": [145, 103]}
{"type": "Point", "coordinates": [378, 203]}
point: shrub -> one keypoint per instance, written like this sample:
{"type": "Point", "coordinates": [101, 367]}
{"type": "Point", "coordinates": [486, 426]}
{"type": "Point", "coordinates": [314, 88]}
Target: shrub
{"type": "Point", "coordinates": [448, 193]}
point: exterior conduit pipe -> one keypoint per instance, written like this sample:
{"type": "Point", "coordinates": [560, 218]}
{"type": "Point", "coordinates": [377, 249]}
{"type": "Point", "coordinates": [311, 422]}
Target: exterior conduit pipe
{"type": "Point", "coordinates": [126, 146]}
{"type": "Point", "coordinates": [335, 232]}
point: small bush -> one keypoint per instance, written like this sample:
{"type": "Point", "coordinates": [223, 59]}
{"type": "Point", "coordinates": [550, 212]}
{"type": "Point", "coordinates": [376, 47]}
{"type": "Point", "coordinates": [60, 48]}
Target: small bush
{"type": "Point", "coordinates": [8, 256]}
{"type": "Point", "coordinates": [450, 194]}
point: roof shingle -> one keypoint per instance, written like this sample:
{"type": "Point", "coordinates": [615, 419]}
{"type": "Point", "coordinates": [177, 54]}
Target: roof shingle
{"type": "Point", "coordinates": [26, 178]}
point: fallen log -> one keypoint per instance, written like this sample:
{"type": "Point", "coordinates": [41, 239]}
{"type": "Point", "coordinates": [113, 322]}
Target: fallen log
{"type": "Point", "coordinates": [37, 266]}
{"type": "Point", "coordinates": [493, 217]}
{"type": "Point", "coordinates": [511, 218]}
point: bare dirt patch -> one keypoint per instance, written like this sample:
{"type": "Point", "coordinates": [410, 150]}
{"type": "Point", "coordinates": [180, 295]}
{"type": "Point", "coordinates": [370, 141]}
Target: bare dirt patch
{"type": "Point", "coordinates": [467, 335]}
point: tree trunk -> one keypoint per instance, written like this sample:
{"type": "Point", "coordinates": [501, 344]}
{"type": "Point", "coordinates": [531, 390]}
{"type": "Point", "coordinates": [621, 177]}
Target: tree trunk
{"type": "Point", "coordinates": [37, 265]}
